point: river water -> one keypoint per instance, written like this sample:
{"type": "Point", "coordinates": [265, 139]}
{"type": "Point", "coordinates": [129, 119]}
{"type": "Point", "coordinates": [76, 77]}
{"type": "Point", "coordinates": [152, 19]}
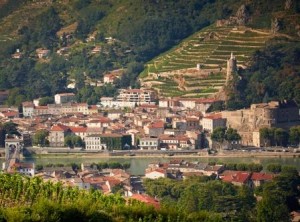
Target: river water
{"type": "Point", "coordinates": [139, 164]}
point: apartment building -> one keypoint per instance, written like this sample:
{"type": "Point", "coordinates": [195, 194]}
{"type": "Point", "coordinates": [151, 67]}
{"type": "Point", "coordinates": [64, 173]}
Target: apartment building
{"type": "Point", "coordinates": [64, 98]}
{"type": "Point", "coordinates": [138, 96]}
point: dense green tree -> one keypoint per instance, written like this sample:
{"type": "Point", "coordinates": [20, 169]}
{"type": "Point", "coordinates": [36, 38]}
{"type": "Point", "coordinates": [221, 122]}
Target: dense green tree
{"type": "Point", "coordinates": [274, 168]}
{"type": "Point", "coordinates": [281, 137]}
{"type": "Point", "coordinates": [265, 135]}
{"type": "Point", "coordinates": [114, 165]}
{"type": "Point", "coordinates": [288, 182]}
{"type": "Point", "coordinates": [232, 135]}
{"type": "Point", "coordinates": [221, 134]}
{"type": "Point", "coordinates": [77, 141]}
{"type": "Point", "coordinates": [45, 27]}
{"type": "Point", "coordinates": [10, 128]}
{"type": "Point", "coordinates": [89, 16]}
{"type": "Point", "coordinates": [102, 165]}
{"type": "Point", "coordinates": [272, 206]}
{"type": "Point", "coordinates": [247, 198]}
{"type": "Point", "coordinates": [40, 138]}
{"type": "Point", "coordinates": [242, 166]}
{"type": "Point", "coordinates": [126, 165]}
{"type": "Point", "coordinates": [218, 135]}
{"type": "Point", "coordinates": [294, 135]}
{"type": "Point", "coordinates": [39, 167]}
{"type": "Point", "coordinates": [255, 167]}
{"type": "Point", "coordinates": [274, 136]}
{"type": "Point", "coordinates": [75, 166]}
{"type": "Point", "coordinates": [68, 141]}
{"type": "Point", "coordinates": [130, 75]}
{"type": "Point", "coordinates": [46, 100]}
{"type": "Point", "coordinates": [144, 31]}
{"type": "Point", "coordinates": [160, 187]}
{"type": "Point", "coordinates": [217, 106]}
{"type": "Point", "coordinates": [16, 97]}
{"type": "Point", "coordinates": [231, 166]}
{"type": "Point", "coordinates": [280, 79]}
{"type": "Point", "coordinates": [73, 141]}
{"type": "Point", "coordinates": [280, 196]}
{"type": "Point", "coordinates": [117, 189]}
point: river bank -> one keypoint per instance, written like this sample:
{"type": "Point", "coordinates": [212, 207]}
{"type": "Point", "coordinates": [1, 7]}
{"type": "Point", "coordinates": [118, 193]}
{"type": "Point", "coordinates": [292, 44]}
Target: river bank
{"type": "Point", "coordinates": [138, 164]}
{"type": "Point", "coordinates": [133, 154]}
{"type": "Point", "coordinates": [173, 155]}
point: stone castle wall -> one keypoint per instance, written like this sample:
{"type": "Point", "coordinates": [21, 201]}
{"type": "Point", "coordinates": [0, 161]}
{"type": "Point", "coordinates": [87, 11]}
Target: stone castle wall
{"type": "Point", "coordinates": [273, 114]}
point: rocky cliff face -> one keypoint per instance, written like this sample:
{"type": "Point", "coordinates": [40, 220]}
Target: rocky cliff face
{"type": "Point", "coordinates": [242, 17]}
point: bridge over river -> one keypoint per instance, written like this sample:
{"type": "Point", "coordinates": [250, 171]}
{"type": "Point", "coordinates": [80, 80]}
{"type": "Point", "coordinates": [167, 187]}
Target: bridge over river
{"type": "Point", "coordinates": [13, 152]}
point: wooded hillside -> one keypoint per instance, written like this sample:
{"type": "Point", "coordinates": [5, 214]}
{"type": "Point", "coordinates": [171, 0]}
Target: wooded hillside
{"type": "Point", "coordinates": [126, 34]}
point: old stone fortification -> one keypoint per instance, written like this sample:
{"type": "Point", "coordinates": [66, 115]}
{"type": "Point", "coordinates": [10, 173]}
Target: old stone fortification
{"type": "Point", "coordinates": [273, 114]}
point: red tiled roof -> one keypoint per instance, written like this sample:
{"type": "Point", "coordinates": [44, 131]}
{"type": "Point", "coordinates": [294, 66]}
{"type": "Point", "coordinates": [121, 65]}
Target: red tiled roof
{"type": "Point", "coordinates": [93, 107]}
{"type": "Point", "coordinates": [237, 177]}
{"type": "Point", "coordinates": [261, 176]}
{"type": "Point", "coordinates": [172, 137]}
{"type": "Point", "coordinates": [100, 120]}
{"type": "Point", "coordinates": [146, 199]}
{"type": "Point", "coordinates": [94, 180]}
{"type": "Point", "coordinates": [94, 129]}
{"type": "Point", "coordinates": [81, 104]}
{"type": "Point", "coordinates": [176, 161]}
{"type": "Point", "coordinates": [27, 104]}
{"type": "Point", "coordinates": [10, 113]}
{"type": "Point", "coordinates": [192, 119]}
{"type": "Point", "coordinates": [159, 170]}
{"type": "Point", "coordinates": [111, 135]}
{"type": "Point", "coordinates": [59, 127]}
{"type": "Point", "coordinates": [214, 116]}
{"type": "Point", "coordinates": [117, 171]}
{"type": "Point", "coordinates": [167, 137]}
{"type": "Point", "coordinates": [24, 165]}
{"type": "Point", "coordinates": [112, 181]}
{"type": "Point", "coordinates": [78, 129]}
{"type": "Point", "coordinates": [41, 107]}
{"type": "Point", "coordinates": [148, 106]}
{"type": "Point", "coordinates": [104, 120]}
{"type": "Point", "coordinates": [111, 76]}
{"type": "Point", "coordinates": [158, 124]}
{"type": "Point", "coordinates": [104, 188]}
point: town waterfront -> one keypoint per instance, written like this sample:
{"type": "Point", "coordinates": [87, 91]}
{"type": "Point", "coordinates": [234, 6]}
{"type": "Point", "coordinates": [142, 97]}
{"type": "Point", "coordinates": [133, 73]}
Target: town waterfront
{"type": "Point", "coordinates": [139, 164]}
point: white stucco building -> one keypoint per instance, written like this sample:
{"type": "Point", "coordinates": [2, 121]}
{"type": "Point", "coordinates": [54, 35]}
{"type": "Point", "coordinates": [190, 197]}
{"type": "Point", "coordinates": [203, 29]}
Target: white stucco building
{"type": "Point", "coordinates": [64, 98]}
{"type": "Point", "coordinates": [93, 142]}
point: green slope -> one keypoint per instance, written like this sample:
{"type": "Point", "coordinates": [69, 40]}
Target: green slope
{"type": "Point", "coordinates": [142, 30]}
{"type": "Point", "coordinates": [210, 47]}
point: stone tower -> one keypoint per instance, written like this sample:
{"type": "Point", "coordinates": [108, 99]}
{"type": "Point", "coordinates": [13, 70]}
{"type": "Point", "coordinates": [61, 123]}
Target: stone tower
{"type": "Point", "coordinates": [231, 67]}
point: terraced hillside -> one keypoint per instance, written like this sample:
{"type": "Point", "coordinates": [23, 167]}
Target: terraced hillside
{"type": "Point", "coordinates": [175, 73]}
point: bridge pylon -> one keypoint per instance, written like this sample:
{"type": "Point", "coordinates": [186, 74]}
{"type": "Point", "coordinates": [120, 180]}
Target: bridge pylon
{"type": "Point", "coordinates": [13, 151]}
